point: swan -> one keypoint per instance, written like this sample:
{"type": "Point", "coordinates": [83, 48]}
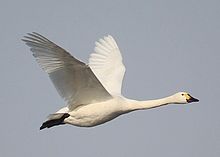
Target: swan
{"type": "Point", "coordinates": [92, 91]}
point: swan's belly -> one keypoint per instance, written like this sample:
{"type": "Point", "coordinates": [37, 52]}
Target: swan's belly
{"type": "Point", "coordinates": [95, 114]}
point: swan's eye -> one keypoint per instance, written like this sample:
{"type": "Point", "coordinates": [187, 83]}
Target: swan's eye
{"type": "Point", "coordinates": [182, 94]}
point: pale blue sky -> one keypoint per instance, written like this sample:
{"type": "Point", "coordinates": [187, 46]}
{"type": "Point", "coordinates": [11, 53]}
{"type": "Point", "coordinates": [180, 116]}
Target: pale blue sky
{"type": "Point", "coordinates": [167, 46]}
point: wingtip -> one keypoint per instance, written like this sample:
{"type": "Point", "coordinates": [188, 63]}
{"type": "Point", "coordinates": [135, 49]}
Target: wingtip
{"type": "Point", "coordinates": [109, 36]}
{"type": "Point", "coordinates": [22, 39]}
{"type": "Point", "coordinates": [25, 37]}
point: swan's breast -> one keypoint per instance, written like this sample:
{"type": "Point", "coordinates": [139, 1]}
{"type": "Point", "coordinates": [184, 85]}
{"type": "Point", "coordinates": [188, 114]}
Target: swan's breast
{"type": "Point", "coordinates": [95, 114]}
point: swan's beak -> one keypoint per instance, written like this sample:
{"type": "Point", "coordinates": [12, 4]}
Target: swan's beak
{"type": "Point", "coordinates": [190, 99]}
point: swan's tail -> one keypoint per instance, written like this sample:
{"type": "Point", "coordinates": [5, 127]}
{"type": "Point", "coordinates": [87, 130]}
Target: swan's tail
{"type": "Point", "coordinates": [54, 119]}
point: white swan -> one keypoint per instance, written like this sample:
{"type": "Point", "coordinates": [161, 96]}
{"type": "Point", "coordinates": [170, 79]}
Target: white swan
{"type": "Point", "coordinates": [92, 91]}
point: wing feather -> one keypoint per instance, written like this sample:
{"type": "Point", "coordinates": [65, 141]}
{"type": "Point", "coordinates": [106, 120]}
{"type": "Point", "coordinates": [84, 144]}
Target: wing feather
{"type": "Point", "coordinates": [73, 79]}
{"type": "Point", "coordinates": [106, 63]}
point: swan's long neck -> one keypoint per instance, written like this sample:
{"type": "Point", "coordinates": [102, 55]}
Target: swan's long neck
{"type": "Point", "coordinates": [141, 105]}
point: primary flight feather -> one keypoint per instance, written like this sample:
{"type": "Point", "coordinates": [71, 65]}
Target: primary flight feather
{"type": "Point", "coordinates": [93, 91]}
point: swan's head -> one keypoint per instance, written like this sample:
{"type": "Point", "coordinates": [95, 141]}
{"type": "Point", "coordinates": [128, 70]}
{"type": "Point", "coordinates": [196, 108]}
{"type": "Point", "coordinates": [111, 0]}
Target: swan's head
{"type": "Point", "coordinates": [184, 98]}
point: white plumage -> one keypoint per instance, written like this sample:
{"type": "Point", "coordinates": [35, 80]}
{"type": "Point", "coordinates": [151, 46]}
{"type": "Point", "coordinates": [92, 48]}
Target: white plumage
{"type": "Point", "coordinates": [93, 91]}
{"type": "Point", "coordinates": [106, 63]}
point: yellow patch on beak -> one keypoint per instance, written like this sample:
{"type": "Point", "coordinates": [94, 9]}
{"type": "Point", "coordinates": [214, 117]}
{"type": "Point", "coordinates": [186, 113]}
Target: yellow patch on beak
{"type": "Point", "coordinates": [187, 96]}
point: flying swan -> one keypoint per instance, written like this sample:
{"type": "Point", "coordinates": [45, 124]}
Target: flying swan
{"type": "Point", "coordinates": [92, 91]}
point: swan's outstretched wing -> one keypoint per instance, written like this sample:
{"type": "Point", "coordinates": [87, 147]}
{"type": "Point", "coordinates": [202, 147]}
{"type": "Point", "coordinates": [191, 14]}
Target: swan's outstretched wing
{"type": "Point", "coordinates": [106, 63]}
{"type": "Point", "coordinates": [73, 79]}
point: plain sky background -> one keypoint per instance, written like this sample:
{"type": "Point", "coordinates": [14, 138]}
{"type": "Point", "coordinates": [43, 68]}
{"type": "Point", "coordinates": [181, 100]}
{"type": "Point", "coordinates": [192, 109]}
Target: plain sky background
{"type": "Point", "coordinates": [167, 46]}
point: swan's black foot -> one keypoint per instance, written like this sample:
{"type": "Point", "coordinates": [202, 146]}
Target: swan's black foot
{"type": "Point", "coordinates": [53, 122]}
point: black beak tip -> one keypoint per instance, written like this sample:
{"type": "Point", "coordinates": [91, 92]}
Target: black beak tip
{"type": "Point", "coordinates": [193, 100]}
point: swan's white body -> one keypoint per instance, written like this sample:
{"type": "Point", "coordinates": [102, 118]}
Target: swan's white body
{"type": "Point", "coordinates": [101, 112]}
{"type": "Point", "coordinates": [93, 91]}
